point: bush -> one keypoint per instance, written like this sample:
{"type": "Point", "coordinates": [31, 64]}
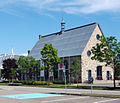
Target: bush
{"type": "Point", "coordinates": [29, 82]}
{"type": "Point", "coordinates": [40, 83]}
{"type": "Point", "coordinates": [59, 82]}
{"type": "Point", "coordinates": [33, 82]}
{"type": "Point", "coordinates": [15, 84]}
{"type": "Point", "coordinates": [18, 81]}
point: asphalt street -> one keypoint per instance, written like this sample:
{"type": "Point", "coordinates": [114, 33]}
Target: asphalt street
{"type": "Point", "coordinates": [12, 90]}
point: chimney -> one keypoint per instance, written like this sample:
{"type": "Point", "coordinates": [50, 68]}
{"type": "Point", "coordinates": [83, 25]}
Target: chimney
{"type": "Point", "coordinates": [62, 25]}
{"type": "Point", "coordinates": [40, 36]}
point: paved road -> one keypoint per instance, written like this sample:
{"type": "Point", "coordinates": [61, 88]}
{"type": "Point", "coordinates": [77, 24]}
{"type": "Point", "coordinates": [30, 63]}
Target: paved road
{"type": "Point", "coordinates": [7, 90]}
{"type": "Point", "coordinates": [59, 90]}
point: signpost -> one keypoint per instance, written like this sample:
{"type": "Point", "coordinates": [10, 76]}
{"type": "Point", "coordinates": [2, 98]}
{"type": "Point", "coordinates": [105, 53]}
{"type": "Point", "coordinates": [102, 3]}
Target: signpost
{"type": "Point", "coordinates": [65, 78]}
{"type": "Point", "coordinates": [91, 80]}
{"type": "Point", "coordinates": [62, 67]}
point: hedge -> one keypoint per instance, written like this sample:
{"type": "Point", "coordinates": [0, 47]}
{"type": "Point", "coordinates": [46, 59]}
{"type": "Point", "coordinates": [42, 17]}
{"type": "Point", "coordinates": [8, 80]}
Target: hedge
{"type": "Point", "coordinates": [59, 82]}
{"type": "Point", "coordinates": [33, 82]}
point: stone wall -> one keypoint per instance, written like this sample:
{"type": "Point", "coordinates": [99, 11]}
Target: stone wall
{"type": "Point", "coordinates": [88, 64]}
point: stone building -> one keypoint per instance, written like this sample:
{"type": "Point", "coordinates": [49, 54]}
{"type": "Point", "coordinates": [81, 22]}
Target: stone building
{"type": "Point", "coordinates": [75, 43]}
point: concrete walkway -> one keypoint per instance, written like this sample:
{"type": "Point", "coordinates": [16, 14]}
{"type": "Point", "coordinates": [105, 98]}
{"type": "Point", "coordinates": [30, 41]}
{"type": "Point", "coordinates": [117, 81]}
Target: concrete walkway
{"type": "Point", "coordinates": [104, 84]}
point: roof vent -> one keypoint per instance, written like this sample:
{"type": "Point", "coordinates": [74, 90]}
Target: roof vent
{"type": "Point", "coordinates": [62, 25]}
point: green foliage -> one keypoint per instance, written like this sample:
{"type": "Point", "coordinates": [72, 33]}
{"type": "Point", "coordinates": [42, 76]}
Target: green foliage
{"type": "Point", "coordinates": [13, 73]}
{"type": "Point", "coordinates": [33, 82]}
{"type": "Point", "coordinates": [28, 51]}
{"type": "Point", "coordinates": [117, 70]}
{"type": "Point", "coordinates": [28, 65]}
{"type": "Point", "coordinates": [14, 84]}
{"type": "Point", "coordinates": [108, 51]}
{"type": "Point", "coordinates": [18, 81]}
{"type": "Point", "coordinates": [49, 57]}
{"type": "Point", "coordinates": [76, 69]}
{"type": "Point", "coordinates": [59, 82]}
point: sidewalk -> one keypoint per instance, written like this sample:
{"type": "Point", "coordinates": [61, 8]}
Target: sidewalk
{"type": "Point", "coordinates": [103, 84]}
{"type": "Point", "coordinates": [94, 93]}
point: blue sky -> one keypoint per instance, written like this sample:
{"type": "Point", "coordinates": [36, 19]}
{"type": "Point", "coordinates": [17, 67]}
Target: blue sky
{"type": "Point", "coordinates": [21, 21]}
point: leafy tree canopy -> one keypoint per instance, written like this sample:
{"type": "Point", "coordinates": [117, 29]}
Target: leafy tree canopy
{"type": "Point", "coordinates": [108, 51]}
{"type": "Point", "coordinates": [76, 69]}
{"type": "Point", "coordinates": [28, 65]}
{"type": "Point", "coordinates": [28, 62]}
{"type": "Point", "coordinates": [49, 56]}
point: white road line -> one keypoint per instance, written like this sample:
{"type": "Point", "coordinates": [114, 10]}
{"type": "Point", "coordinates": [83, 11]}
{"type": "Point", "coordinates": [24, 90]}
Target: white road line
{"type": "Point", "coordinates": [63, 99]}
{"type": "Point", "coordinates": [106, 100]}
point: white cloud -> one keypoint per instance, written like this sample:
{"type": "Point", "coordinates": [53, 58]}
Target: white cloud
{"type": "Point", "coordinates": [67, 6]}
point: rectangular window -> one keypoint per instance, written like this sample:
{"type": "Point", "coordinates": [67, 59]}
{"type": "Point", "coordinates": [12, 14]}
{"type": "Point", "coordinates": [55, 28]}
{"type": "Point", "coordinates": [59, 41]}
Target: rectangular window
{"type": "Point", "coordinates": [99, 73]}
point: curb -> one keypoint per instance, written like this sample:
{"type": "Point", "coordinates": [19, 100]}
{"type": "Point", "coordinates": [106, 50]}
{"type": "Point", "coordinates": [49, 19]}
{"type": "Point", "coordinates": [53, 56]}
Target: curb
{"type": "Point", "coordinates": [91, 95]}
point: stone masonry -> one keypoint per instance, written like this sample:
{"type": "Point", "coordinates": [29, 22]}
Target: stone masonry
{"type": "Point", "coordinates": [88, 64]}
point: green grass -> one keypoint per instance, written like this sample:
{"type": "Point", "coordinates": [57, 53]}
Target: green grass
{"type": "Point", "coordinates": [4, 84]}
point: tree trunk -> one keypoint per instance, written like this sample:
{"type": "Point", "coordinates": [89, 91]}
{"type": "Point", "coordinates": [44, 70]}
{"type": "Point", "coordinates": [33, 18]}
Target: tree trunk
{"type": "Point", "coordinates": [77, 82]}
{"type": "Point", "coordinates": [114, 78]}
{"type": "Point", "coordinates": [49, 74]}
{"type": "Point", "coordinates": [48, 78]}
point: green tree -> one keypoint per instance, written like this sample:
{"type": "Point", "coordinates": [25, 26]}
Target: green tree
{"type": "Point", "coordinates": [108, 51]}
{"type": "Point", "coordinates": [13, 73]}
{"type": "Point", "coordinates": [22, 67]}
{"type": "Point", "coordinates": [29, 66]}
{"type": "Point", "coordinates": [117, 71]}
{"type": "Point", "coordinates": [76, 69]}
{"type": "Point", "coordinates": [49, 57]}
{"type": "Point", "coordinates": [28, 51]}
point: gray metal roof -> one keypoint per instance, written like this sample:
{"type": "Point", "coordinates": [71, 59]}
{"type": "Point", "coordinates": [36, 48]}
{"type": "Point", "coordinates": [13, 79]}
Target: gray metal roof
{"type": "Point", "coordinates": [70, 43]}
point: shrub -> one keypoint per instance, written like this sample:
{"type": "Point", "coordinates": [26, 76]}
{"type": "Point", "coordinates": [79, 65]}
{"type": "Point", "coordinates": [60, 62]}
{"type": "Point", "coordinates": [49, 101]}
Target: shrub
{"type": "Point", "coordinates": [40, 83]}
{"type": "Point", "coordinates": [28, 82]}
{"type": "Point", "coordinates": [59, 82]}
{"type": "Point", "coordinates": [33, 82]}
{"type": "Point", "coordinates": [15, 84]}
{"type": "Point", "coordinates": [18, 81]}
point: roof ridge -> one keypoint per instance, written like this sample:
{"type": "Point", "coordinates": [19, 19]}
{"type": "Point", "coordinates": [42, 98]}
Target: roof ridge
{"type": "Point", "coordinates": [82, 26]}
{"type": "Point", "coordinates": [70, 29]}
